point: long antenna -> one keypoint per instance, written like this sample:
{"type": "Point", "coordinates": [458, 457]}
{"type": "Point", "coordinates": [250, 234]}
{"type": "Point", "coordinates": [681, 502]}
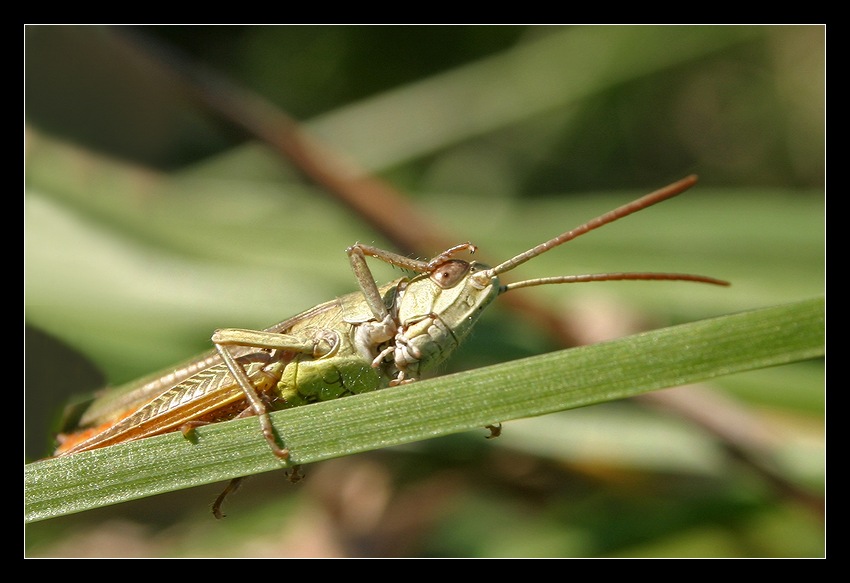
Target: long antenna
{"type": "Point", "coordinates": [643, 202]}
{"type": "Point", "coordinates": [642, 275]}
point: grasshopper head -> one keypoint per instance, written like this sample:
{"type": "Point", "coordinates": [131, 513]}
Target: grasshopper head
{"type": "Point", "coordinates": [439, 308]}
{"type": "Point", "coordinates": [455, 292]}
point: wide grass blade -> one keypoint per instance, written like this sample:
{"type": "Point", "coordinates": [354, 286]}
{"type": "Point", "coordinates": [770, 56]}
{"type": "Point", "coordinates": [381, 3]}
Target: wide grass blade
{"type": "Point", "coordinates": [534, 386]}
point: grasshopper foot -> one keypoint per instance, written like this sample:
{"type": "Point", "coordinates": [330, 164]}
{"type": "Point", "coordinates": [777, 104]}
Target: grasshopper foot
{"type": "Point", "coordinates": [296, 475]}
{"type": "Point", "coordinates": [188, 429]}
{"type": "Point", "coordinates": [232, 486]}
{"type": "Point", "coordinates": [495, 430]}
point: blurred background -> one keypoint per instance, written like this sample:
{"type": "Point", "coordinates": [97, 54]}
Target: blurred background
{"type": "Point", "coordinates": [181, 179]}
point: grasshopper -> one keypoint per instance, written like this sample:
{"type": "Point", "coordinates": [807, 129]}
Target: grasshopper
{"type": "Point", "coordinates": [370, 339]}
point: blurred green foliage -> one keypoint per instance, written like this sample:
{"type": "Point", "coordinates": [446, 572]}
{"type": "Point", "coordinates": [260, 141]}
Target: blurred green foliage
{"type": "Point", "coordinates": [150, 221]}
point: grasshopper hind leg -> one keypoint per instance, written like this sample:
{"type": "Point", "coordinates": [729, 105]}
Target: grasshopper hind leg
{"type": "Point", "coordinates": [256, 403]}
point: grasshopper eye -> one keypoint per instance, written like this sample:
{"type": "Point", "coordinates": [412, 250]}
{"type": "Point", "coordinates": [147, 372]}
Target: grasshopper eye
{"type": "Point", "coordinates": [448, 274]}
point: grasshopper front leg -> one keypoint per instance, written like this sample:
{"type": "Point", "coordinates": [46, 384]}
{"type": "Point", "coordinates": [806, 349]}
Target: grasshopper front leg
{"type": "Point", "coordinates": [386, 325]}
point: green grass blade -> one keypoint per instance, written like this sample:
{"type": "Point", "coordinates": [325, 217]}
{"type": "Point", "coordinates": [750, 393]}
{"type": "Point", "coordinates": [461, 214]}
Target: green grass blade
{"type": "Point", "coordinates": [534, 386]}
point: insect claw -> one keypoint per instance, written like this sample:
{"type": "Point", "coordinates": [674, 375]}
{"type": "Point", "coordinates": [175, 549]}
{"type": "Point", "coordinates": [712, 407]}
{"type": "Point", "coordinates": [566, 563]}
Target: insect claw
{"type": "Point", "coordinates": [495, 430]}
{"type": "Point", "coordinates": [379, 360]}
{"type": "Point", "coordinates": [449, 253]}
{"type": "Point", "coordinates": [231, 487]}
{"type": "Point", "coordinates": [400, 380]}
{"type": "Point", "coordinates": [296, 475]}
{"type": "Point", "coordinates": [281, 452]}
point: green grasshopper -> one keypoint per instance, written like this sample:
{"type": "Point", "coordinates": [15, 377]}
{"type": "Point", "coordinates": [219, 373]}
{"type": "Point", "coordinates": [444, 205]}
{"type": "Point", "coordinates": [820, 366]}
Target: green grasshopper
{"type": "Point", "coordinates": [367, 340]}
